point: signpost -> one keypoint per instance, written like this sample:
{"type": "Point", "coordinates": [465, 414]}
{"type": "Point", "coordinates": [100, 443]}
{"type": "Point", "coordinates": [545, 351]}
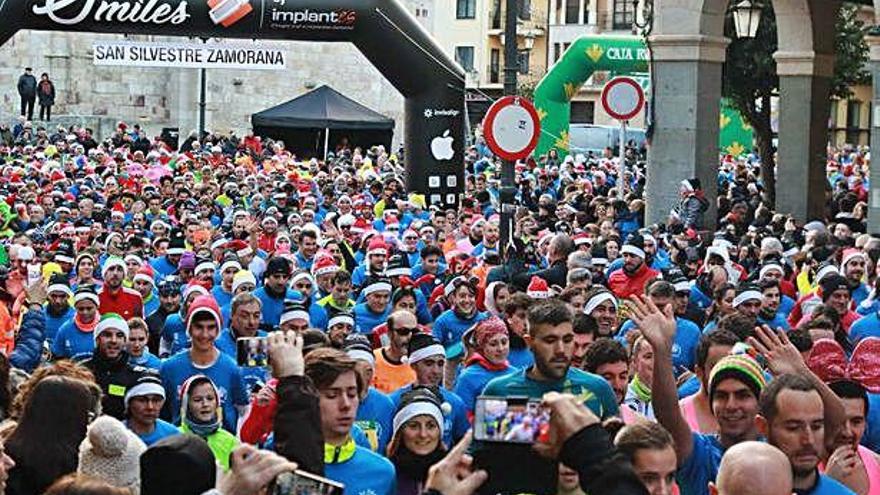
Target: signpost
{"type": "Point", "coordinates": [511, 129]}
{"type": "Point", "coordinates": [622, 99]}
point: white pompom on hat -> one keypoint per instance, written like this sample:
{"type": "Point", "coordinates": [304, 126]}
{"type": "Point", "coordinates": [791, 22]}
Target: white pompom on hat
{"type": "Point", "coordinates": [111, 452]}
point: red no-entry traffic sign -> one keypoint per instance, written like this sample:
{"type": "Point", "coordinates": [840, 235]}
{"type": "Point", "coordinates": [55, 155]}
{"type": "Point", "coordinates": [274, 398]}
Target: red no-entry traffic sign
{"type": "Point", "coordinates": [512, 127]}
{"type": "Point", "coordinates": [623, 98]}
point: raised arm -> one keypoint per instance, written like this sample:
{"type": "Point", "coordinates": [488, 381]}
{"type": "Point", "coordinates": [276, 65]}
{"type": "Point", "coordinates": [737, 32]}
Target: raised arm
{"type": "Point", "coordinates": [658, 327]}
{"type": "Point", "coordinates": [783, 358]}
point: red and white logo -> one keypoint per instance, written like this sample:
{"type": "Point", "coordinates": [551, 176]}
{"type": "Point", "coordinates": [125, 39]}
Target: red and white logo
{"type": "Point", "coordinates": [228, 12]}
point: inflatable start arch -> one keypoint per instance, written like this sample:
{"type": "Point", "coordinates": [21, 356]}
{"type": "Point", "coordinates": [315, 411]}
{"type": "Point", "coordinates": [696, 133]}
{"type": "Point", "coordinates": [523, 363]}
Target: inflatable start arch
{"type": "Point", "coordinates": [383, 30]}
{"type": "Point", "coordinates": [620, 55]}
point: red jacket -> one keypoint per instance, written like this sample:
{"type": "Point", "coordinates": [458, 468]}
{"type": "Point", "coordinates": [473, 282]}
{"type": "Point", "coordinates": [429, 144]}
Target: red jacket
{"type": "Point", "coordinates": [125, 302]}
{"type": "Point", "coordinates": [623, 285]}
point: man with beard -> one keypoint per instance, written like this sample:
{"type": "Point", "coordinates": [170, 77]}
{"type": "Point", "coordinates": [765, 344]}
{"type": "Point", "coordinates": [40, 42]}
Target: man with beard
{"type": "Point", "coordinates": [735, 384]}
{"type": "Point", "coordinates": [792, 418]}
{"type": "Point", "coordinates": [274, 290]}
{"type": "Point", "coordinates": [609, 359]}
{"type": "Point", "coordinates": [634, 276]}
{"type": "Point", "coordinates": [268, 234]}
{"type": "Point", "coordinates": [58, 307]}
{"type": "Point", "coordinates": [771, 298]}
{"type": "Point", "coordinates": [114, 298]}
{"type": "Point", "coordinates": [169, 303]}
{"type": "Point", "coordinates": [551, 339]}
{"type": "Point", "coordinates": [849, 462]}
{"type": "Point", "coordinates": [516, 314]}
{"type": "Point", "coordinates": [601, 305]}
{"type": "Point", "coordinates": [490, 239]}
{"type": "Point", "coordinates": [585, 333]}
{"type": "Point", "coordinates": [377, 253]}
{"type": "Point", "coordinates": [110, 364]}
{"type": "Point", "coordinates": [392, 372]}
{"type": "Point", "coordinates": [852, 266]}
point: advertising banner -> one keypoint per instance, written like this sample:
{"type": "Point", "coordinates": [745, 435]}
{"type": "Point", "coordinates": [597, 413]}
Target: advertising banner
{"type": "Point", "coordinates": [188, 55]}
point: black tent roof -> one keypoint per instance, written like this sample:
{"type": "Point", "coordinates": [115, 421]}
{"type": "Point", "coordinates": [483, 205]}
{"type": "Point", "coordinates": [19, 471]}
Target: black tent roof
{"type": "Point", "coordinates": [323, 108]}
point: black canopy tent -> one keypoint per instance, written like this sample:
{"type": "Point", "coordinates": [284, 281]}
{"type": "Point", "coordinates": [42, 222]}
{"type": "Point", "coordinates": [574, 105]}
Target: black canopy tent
{"type": "Point", "coordinates": [323, 117]}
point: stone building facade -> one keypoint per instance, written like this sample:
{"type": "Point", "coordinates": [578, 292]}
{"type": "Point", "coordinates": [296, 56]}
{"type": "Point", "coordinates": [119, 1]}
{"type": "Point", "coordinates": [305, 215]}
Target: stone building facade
{"type": "Point", "coordinates": [168, 97]}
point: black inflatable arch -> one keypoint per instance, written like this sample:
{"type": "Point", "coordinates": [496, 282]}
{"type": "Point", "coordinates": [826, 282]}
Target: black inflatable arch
{"type": "Point", "coordinates": [383, 30]}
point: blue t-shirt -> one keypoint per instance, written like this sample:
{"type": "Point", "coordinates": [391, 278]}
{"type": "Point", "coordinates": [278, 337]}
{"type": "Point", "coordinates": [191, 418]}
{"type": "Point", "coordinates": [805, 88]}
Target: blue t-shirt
{"type": "Point", "coordinates": [701, 467]}
{"type": "Point", "coordinates": [592, 390]}
{"type": "Point", "coordinates": [374, 417]}
{"type": "Point", "coordinates": [779, 321]}
{"type": "Point", "coordinates": [152, 303]}
{"type": "Point", "coordinates": [147, 360]}
{"type": "Point", "coordinates": [365, 320]}
{"type": "Point", "coordinates": [53, 323]}
{"type": "Point", "coordinates": [72, 343]}
{"type": "Point", "coordinates": [689, 387]}
{"type": "Point", "coordinates": [826, 485]}
{"type": "Point", "coordinates": [521, 358]}
{"type": "Point", "coordinates": [449, 328]}
{"type": "Point", "coordinates": [871, 438]}
{"type": "Point", "coordinates": [473, 380]}
{"type": "Point", "coordinates": [221, 296]}
{"type": "Point", "coordinates": [175, 332]}
{"type": "Point", "coordinates": [162, 268]}
{"type": "Point", "coordinates": [684, 346]}
{"type": "Point", "coordinates": [224, 373]}
{"type": "Point", "coordinates": [366, 473]}
{"type": "Point", "coordinates": [163, 429]}
{"type": "Point", "coordinates": [455, 424]}
{"type": "Point", "coordinates": [272, 307]}
{"type": "Point", "coordinates": [866, 326]}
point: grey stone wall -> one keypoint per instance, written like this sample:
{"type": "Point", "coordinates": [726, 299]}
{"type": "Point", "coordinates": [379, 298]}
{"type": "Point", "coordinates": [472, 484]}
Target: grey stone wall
{"type": "Point", "coordinates": [163, 97]}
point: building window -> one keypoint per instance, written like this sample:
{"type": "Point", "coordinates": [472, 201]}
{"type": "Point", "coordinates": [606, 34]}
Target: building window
{"type": "Point", "coordinates": [464, 55]}
{"type": "Point", "coordinates": [572, 8]}
{"type": "Point", "coordinates": [586, 11]}
{"type": "Point", "coordinates": [623, 14]}
{"type": "Point", "coordinates": [495, 66]}
{"type": "Point", "coordinates": [465, 9]}
{"type": "Point", "coordinates": [523, 59]}
{"type": "Point", "coordinates": [557, 51]}
{"type": "Point", "coordinates": [853, 114]}
{"type": "Point", "coordinates": [524, 11]}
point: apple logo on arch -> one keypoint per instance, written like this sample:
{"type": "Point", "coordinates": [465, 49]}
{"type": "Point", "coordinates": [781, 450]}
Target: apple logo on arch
{"type": "Point", "coordinates": [441, 146]}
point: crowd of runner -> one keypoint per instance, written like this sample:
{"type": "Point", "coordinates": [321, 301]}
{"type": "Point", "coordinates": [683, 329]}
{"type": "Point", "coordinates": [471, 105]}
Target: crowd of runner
{"type": "Point", "coordinates": [177, 321]}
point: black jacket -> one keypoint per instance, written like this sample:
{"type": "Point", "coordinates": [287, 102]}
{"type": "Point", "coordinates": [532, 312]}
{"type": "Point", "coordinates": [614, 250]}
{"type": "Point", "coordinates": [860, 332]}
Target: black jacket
{"type": "Point", "coordinates": [115, 377]}
{"type": "Point", "coordinates": [297, 424]}
{"type": "Point", "coordinates": [27, 86]}
{"type": "Point", "coordinates": [556, 274]}
{"type": "Point", "coordinates": [156, 324]}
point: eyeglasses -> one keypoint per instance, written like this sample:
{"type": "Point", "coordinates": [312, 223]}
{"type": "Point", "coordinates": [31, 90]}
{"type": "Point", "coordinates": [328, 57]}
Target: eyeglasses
{"type": "Point", "coordinates": [403, 331]}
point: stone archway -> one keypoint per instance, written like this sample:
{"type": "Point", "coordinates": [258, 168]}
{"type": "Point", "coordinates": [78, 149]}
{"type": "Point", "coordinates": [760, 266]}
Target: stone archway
{"type": "Point", "coordinates": [688, 50]}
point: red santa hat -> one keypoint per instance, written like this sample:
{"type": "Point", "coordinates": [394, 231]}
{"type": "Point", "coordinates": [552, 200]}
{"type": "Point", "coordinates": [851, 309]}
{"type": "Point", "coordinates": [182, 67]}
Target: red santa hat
{"type": "Point", "coordinates": [377, 246]}
{"type": "Point", "coordinates": [324, 265]}
{"type": "Point", "coordinates": [581, 238]}
{"type": "Point", "coordinates": [145, 273]}
{"type": "Point", "coordinates": [538, 288]}
{"type": "Point", "coordinates": [849, 255]}
{"type": "Point", "coordinates": [204, 304]}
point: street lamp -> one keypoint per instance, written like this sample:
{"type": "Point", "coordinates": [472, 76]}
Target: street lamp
{"type": "Point", "coordinates": [746, 18]}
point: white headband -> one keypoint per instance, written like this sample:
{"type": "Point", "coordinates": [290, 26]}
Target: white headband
{"type": "Point", "coordinates": [418, 408]}
{"type": "Point", "coordinates": [302, 275]}
{"type": "Point", "coordinates": [768, 267]}
{"type": "Point", "coordinates": [376, 287]}
{"type": "Point", "coordinates": [633, 250]}
{"type": "Point", "coordinates": [344, 319]}
{"type": "Point", "coordinates": [426, 352]}
{"type": "Point", "coordinates": [111, 324]}
{"type": "Point", "coordinates": [143, 389]}
{"type": "Point", "coordinates": [398, 272]}
{"type": "Point", "coordinates": [682, 286]}
{"type": "Point", "coordinates": [361, 355]}
{"type": "Point", "coordinates": [110, 263]}
{"type": "Point", "coordinates": [205, 265]}
{"type": "Point", "coordinates": [142, 276]}
{"type": "Point", "coordinates": [230, 264]}
{"type": "Point", "coordinates": [294, 315]}
{"type": "Point", "coordinates": [59, 288]}
{"type": "Point", "coordinates": [83, 296]}
{"type": "Point", "coordinates": [746, 296]}
{"type": "Point", "coordinates": [598, 299]}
